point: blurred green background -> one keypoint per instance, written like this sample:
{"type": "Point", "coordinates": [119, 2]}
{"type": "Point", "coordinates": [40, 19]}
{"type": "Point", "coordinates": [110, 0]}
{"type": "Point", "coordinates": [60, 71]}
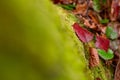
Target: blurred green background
{"type": "Point", "coordinates": [37, 42]}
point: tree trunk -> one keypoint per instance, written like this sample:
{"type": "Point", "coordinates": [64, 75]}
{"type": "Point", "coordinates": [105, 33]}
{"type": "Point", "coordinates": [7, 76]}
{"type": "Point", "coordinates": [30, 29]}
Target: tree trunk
{"type": "Point", "coordinates": [37, 42]}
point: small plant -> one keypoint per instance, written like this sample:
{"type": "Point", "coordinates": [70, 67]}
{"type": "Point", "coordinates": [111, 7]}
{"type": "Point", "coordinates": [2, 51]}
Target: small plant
{"type": "Point", "coordinates": [110, 33]}
{"type": "Point", "coordinates": [105, 55]}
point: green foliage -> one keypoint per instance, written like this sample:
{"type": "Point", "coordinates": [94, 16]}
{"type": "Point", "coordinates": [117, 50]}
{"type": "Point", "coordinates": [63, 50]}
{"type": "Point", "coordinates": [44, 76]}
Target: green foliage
{"type": "Point", "coordinates": [96, 5]}
{"type": "Point", "coordinates": [104, 1]}
{"type": "Point", "coordinates": [104, 21]}
{"type": "Point", "coordinates": [106, 55]}
{"type": "Point", "coordinates": [68, 6]}
{"type": "Point", "coordinates": [110, 33]}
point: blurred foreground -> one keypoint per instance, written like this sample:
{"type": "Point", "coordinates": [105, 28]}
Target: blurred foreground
{"type": "Point", "coordinates": [36, 44]}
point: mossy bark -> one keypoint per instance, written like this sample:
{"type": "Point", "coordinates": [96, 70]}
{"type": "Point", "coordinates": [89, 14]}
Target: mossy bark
{"type": "Point", "coordinates": [37, 42]}
{"type": "Point", "coordinates": [102, 71]}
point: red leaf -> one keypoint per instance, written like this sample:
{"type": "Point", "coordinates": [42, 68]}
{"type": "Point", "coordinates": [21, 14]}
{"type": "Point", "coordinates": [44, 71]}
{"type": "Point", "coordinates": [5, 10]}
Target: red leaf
{"type": "Point", "coordinates": [102, 43]}
{"type": "Point", "coordinates": [83, 34]}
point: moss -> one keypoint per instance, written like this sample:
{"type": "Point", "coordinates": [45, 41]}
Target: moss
{"type": "Point", "coordinates": [78, 50]}
{"type": "Point", "coordinates": [37, 42]}
{"type": "Point", "coordinates": [83, 49]}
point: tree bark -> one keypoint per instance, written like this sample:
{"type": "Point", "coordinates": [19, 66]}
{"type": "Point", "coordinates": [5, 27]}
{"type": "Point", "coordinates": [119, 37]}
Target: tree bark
{"type": "Point", "coordinates": [37, 42]}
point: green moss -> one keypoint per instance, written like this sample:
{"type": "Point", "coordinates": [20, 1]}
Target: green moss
{"type": "Point", "coordinates": [80, 70]}
{"type": "Point", "coordinates": [37, 42]}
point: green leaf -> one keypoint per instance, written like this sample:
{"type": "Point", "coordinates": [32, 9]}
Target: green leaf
{"type": "Point", "coordinates": [68, 7]}
{"type": "Point", "coordinates": [96, 5]}
{"type": "Point", "coordinates": [104, 21]}
{"type": "Point", "coordinates": [106, 55]}
{"type": "Point", "coordinates": [104, 1]}
{"type": "Point", "coordinates": [110, 33]}
{"type": "Point", "coordinates": [114, 35]}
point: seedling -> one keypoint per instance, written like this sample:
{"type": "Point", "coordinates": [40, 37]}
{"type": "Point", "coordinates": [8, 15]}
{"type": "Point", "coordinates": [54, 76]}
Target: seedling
{"type": "Point", "coordinates": [105, 55]}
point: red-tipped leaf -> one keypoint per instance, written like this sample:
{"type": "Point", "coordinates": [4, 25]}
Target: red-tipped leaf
{"type": "Point", "coordinates": [102, 43]}
{"type": "Point", "coordinates": [83, 34]}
